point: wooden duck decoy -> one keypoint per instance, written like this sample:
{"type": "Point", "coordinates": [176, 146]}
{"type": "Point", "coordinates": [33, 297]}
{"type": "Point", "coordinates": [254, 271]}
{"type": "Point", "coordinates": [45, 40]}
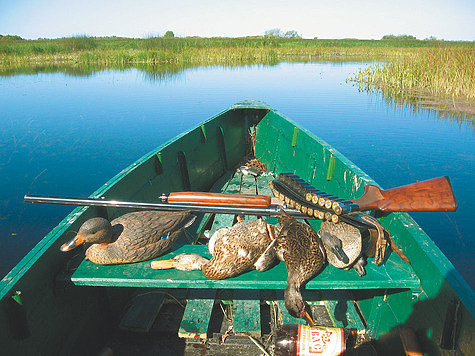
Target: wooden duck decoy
{"type": "Point", "coordinates": [133, 237]}
{"type": "Point", "coordinates": [235, 250]}
{"type": "Point", "coordinates": [343, 244]}
{"type": "Point", "coordinates": [302, 251]}
{"type": "Point", "coordinates": [349, 247]}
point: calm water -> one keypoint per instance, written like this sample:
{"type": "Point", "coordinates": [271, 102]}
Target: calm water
{"type": "Point", "coordinates": [66, 135]}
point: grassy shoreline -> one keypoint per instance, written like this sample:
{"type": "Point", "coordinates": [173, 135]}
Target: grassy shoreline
{"type": "Point", "coordinates": [199, 50]}
{"type": "Point", "coordinates": [441, 68]}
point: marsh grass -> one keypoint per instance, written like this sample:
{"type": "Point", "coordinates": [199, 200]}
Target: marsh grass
{"type": "Point", "coordinates": [438, 71]}
{"type": "Point", "coordinates": [441, 68]}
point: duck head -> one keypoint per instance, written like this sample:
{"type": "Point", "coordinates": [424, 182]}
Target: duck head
{"type": "Point", "coordinates": [95, 230]}
{"type": "Point", "coordinates": [182, 262]}
{"type": "Point", "coordinates": [295, 304]}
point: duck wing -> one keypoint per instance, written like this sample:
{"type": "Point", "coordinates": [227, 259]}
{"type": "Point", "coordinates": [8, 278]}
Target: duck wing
{"type": "Point", "coordinates": [237, 249]}
{"type": "Point", "coordinates": [301, 250]}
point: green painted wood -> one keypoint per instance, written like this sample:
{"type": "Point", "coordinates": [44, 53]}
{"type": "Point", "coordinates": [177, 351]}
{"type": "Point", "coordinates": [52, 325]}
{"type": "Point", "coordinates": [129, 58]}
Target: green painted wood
{"type": "Point", "coordinates": [375, 315]}
{"type": "Point", "coordinates": [203, 134]}
{"type": "Point", "coordinates": [331, 168]}
{"type": "Point", "coordinates": [436, 284]}
{"type": "Point", "coordinates": [295, 136]}
{"type": "Point", "coordinates": [197, 314]}
{"type": "Point", "coordinates": [247, 313]}
{"type": "Point", "coordinates": [342, 310]}
{"type": "Point", "coordinates": [390, 275]}
{"type": "Point", "coordinates": [144, 308]}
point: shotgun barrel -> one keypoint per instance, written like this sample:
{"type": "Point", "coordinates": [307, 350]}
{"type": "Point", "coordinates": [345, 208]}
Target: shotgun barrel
{"type": "Point", "coordinates": [274, 210]}
{"type": "Point", "coordinates": [271, 210]}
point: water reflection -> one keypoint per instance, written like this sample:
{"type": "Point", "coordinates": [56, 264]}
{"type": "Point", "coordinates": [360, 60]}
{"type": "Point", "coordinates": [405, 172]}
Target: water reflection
{"type": "Point", "coordinates": [461, 111]}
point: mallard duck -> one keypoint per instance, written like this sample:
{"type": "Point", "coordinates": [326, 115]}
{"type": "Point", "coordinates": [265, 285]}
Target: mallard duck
{"type": "Point", "coordinates": [235, 250]}
{"type": "Point", "coordinates": [301, 249]}
{"type": "Point", "coordinates": [133, 237]}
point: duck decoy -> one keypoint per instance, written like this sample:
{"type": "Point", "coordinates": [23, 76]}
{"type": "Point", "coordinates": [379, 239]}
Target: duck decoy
{"type": "Point", "coordinates": [350, 242]}
{"type": "Point", "coordinates": [133, 237]}
{"type": "Point", "coordinates": [302, 251]}
{"type": "Point", "coordinates": [356, 245]}
{"type": "Point", "coordinates": [235, 250]}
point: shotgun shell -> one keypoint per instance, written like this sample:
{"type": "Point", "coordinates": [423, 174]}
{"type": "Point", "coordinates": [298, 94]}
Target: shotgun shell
{"type": "Point", "coordinates": [303, 209]}
{"type": "Point", "coordinates": [337, 208]}
{"type": "Point", "coordinates": [310, 211]}
{"type": "Point", "coordinates": [321, 201]}
{"type": "Point", "coordinates": [328, 204]}
{"type": "Point", "coordinates": [328, 216]}
{"type": "Point", "coordinates": [335, 219]}
{"type": "Point", "coordinates": [308, 197]}
{"type": "Point", "coordinates": [321, 215]}
{"type": "Point", "coordinates": [315, 199]}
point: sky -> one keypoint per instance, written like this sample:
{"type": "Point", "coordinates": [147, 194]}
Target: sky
{"type": "Point", "coordinates": [363, 19]}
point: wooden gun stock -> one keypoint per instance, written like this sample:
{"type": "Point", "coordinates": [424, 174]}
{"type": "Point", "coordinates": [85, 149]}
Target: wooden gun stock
{"type": "Point", "coordinates": [429, 195]}
{"type": "Point", "coordinates": [219, 199]}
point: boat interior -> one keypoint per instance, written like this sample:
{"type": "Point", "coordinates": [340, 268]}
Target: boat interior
{"type": "Point", "coordinates": [139, 310]}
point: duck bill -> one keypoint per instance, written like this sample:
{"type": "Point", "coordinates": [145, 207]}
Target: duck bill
{"type": "Point", "coordinates": [308, 319]}
{"type": "Point", "coordinates": [163, 264]}
{"type": "Point", "coordinates": [270, 233]}
{"type": "Point", "coordinates": [68, 246]}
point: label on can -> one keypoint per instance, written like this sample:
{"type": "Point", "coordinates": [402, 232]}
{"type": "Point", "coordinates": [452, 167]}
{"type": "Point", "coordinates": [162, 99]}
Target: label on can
{"type": "Point", "coordinates": [319, 340]}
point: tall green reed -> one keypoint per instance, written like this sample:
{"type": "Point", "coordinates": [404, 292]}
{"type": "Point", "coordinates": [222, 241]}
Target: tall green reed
{"type": "Point", "coordinates": [448, 71]}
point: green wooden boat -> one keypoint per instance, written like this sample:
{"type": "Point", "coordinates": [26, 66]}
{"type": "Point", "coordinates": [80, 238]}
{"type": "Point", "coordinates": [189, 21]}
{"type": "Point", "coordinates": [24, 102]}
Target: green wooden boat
{"type": "Point", "coordinates": [58, 303]}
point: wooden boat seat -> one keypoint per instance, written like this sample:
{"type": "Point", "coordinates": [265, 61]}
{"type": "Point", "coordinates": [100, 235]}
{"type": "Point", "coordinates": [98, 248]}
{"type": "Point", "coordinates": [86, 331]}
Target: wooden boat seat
{"type": "Point", "coordinates": [394, 273]}
{"type": "Point", "coordinates": [246, 292]}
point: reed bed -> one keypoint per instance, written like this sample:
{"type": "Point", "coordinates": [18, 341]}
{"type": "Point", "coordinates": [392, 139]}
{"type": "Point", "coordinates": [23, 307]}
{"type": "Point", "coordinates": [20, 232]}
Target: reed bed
{"type": "Point", "coordinates": [448, 71]}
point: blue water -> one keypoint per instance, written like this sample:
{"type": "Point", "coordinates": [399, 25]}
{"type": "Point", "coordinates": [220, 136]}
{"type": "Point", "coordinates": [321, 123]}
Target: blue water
{"type": "Point", "coordinates": [67, 135]}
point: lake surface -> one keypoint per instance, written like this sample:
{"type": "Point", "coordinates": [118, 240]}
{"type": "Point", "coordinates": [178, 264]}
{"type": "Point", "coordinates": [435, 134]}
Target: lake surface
{"type": "Point", "coordinates": [67, 135]}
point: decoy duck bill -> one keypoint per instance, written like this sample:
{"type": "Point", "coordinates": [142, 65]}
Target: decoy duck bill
{"type": "Point", "coordinates": [68, 246]}
{"type": "Point", "coordinates": [163, 264]}
{"type": "Point", "coordinates": [340, 254]}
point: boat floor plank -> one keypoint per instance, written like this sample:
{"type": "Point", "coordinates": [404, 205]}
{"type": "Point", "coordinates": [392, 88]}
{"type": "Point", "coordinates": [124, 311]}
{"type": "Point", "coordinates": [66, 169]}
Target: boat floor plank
{"type": "Point", "coordinates": [247, 313]}
{"type": "Point", "coordinates": [197, 314]}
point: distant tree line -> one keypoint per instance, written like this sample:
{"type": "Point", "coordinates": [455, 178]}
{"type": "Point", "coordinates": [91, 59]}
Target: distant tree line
{"type": "Point", "coordinates": [10, 38]}
{"type": "Point", "coordinates": [405, 38]}
{"type": "Point", "coordinates": [278, 33]}
{"type": "Point", "coordinates": [78, 42]}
